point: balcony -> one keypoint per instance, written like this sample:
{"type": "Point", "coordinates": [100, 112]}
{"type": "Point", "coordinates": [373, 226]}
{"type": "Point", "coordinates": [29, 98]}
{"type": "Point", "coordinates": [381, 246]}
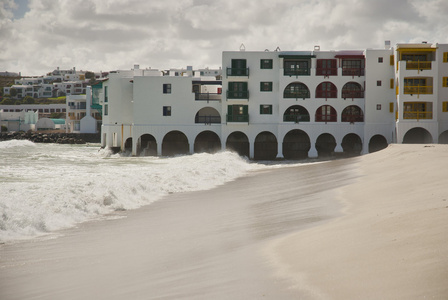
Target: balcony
{"type": "Point", "coordinates": [326, 71]}
{"type": "Point", "coordinates": [296, 72]}
{"type": "Point", "coordinates": [352, 71]}
{"type": "Point", "coordinates": [417, 115]}
{"type": "Point", "coordinates": [238, 95]}
{"type": "Point", "coordinates": [238, 72]}
{"type": "Point", "coordinates": [417, 90]}
{"type": "Point", "coordinates": [352, 94]}
{"type": "Point", "coordinates": [207, 97]}
{"type": "Point", "coordinates": [238, 118]}
{"type": "Point", "coordinates": [418, 65]}
{"type": "Point", "coordinates": [296, 94]}
{"type": "Point", "coordinates": [208, 119]}
{"type": "Point", "coordinates": [296, 118]}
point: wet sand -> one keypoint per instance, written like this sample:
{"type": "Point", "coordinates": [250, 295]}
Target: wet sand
{"type": "Point", "coordinates": [392, 242]}
{"type": "Point", "coordinates": [200, 245]}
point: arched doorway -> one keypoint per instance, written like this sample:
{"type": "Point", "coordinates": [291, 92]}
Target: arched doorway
{"type": "Point", "coordinates": [296, 113]}
{"type": "Point", "coordinates": [325, 145]}
{"type": "Point", "coordinates": [265, 146]}
{"type": "Point", "coordinates": [417, 135]}
{"type": "Point", "coordinates": [207, 115]}
{"type": "Point", "coordinates": [238, 142]}
{"type": "Point", "coordinates": [296, 90]}
{"type": "Point", "coordinates": [296, 145]}
{"type": "Point", "coordinates": [207, 141]}
{"type": "Point", "coordinates": [351, 144]}
{"type": "Point", "coordinates": [326, 90]}
{"type": "Point", "coordinates": [443, 137]}
{"type": "Point", "coordinates": [377, 143]}
{"type": "Point", "coordinates": [175, 143]}
{"type": "Point", "coordinates": [326, 113]}
{"type": "Point", "coordinates": [128, 145]}
{"type": "Point", "coordinates": [147, 146]}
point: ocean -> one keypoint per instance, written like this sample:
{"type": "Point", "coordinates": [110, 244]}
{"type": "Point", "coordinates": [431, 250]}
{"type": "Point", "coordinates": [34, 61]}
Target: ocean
{"type": "Point", "coordinates": [48, 187]}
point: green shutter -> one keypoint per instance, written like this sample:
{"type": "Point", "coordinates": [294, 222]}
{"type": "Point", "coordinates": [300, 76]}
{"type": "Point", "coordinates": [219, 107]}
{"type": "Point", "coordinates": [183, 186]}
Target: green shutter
{"type": "Point", "coordinates": [245, 109]}
{"type": "Point", "coordinates": [230, 110]}
{"type": "Point", "coordinates": [244, 86]}
{"type": "Point", "coordinates": [231, 85]}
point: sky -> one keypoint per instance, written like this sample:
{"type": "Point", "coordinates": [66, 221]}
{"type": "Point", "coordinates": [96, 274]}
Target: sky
{"type": "Point", "coordinates": [37, 36]}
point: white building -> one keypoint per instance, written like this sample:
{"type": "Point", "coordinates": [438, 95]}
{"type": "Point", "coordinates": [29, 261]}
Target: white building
{"type": "Point", "coordinates": [283, 104]}
{"type": "Point", "coordinates": [80, 116]}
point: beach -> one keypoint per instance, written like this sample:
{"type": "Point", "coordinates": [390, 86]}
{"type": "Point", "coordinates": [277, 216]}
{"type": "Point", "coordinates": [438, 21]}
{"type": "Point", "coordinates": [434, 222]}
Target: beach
{"type": "Point", "coordinates": [369, 227]}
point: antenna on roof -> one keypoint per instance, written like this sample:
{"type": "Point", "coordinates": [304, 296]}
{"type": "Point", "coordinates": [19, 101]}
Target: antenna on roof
{"type": "Point", "coordinates": [277, 49]}
{"type": "Point", "coordinates": [242, 47]}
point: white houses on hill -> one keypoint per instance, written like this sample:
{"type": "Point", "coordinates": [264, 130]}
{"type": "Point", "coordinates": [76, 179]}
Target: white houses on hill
{"type": "Point", "coordinates": [282, 104]}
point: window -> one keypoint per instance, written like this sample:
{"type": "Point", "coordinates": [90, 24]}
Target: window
{"type": "Point", "coordinates": [296, 67]}
{"type": "Point", "coordinates": [106, 110]}
{"type": "Point", "coordinates": [378, 83]}
{"type": "Point", "coordinates": [265, 63]}
{"type": "Point", "coordinates": [417, 110]}
{"type": "Point", "coordinates": [237, 113]}
{"type": "Point", "coordinates": [326, 113]}
{"type": "Point", "coordinates": [296, 90]}
{"type": "Point", "coordinates": [353, 67]}
{"type": "Point", "coordinates": [239, 68]}
{"type": "Point", "coordinates": [445, 57]}
{"type": "Point", "coordinates": [378, 107]}
{"type": "Point", "coordinates": [167, 111]}
{"type": "Point", "coordinates": [238, 90]}
{"type": "Point", "coordinates": [326, 67]}
{"type": "Point", "coordinates": [266, 86]}
{"type": "Point", "coordinates": [106, 97]}
{"type": "Point", "coordinates": [445, 107]}
{"type": "Point", "coordinates": [380, 59]}
{"type": "Point", "coordinates": [265, 109]}
{"type": "Point", "coordinates": [167, 88]}
{"type": "Point", "coordinates": [445, 81]}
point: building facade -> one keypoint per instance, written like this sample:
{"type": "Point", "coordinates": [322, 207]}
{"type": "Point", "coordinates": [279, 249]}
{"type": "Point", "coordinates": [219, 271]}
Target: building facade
{"type": "Point", "coordinates": [283, 104]}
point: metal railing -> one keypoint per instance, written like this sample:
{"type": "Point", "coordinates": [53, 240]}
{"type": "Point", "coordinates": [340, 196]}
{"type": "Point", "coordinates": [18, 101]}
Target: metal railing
{"type": "Point", "coordinates": [352, 71]}
{"type": "Point", "coordinates": [208, 119]}
{"type": "Point", "coordinates": [296, 94]}
{"type": "Point", "coordinates": [352, 94]}
{"type": "Point", "coordinates": [418, 65]}
{"type": "Point", "coordinates": [417, 115]}
{"type": "Point", "coordinates": [237, 72]}
{"type": "Point", "coordinates": [417, 89]}
{"type": "Point", "coordinates": [238, 118]}
{"type": "Point", "coordinates": [326, 71]}
{"type": "Point", "coordinates": [296, 118]}
{"type": "Point", "coordinates": [237, 94]}
{"type": "Point", "coordinates": [207, 96]}
{"type": "Point", "coordinates": [296, 72]}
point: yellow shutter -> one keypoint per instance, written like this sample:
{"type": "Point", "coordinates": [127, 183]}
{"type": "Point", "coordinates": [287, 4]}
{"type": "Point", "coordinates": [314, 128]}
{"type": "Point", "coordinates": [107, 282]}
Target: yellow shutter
{"type": "Point", "coordinates": [391, 107]}
{"type": "Point", "coordinates": [391, 60]}
{"type": "Point", "coordinates": [391, 83]}
{"type": "Point", "coordinates": [445, 57]}
{"type": "Point", "coordinates": [445, 107]}
{"type": "Point", "coordinates": [445, 81]}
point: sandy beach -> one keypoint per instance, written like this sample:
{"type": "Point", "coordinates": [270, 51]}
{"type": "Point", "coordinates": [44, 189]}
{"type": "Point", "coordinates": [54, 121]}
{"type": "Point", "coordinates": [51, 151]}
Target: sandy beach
{"type": "Point", "coordinates": [392, 241]}
{"type": "Point", "coordinates": [370, 227]}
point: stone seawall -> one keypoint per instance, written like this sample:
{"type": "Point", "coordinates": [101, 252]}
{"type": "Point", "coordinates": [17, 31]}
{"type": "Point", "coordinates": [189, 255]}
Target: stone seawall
{"type": "Point", "coordinates": [59, 138]}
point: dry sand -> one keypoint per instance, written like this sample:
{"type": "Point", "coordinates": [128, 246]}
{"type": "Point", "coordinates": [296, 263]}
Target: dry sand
{"type": "Point", "coordinates": [392, 242]}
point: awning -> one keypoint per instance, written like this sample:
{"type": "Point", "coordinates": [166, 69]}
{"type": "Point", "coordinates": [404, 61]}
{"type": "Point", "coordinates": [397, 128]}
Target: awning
{"type": "Point", "coordinates": [296, 54]}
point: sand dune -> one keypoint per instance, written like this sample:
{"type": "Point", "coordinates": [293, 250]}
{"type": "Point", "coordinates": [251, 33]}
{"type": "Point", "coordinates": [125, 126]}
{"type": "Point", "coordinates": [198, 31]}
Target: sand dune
{"type": "Point", "coordinates": [392, 242]}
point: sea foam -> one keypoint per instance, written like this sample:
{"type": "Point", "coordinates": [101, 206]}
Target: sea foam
{"type": "Point", "coordinates": [48, 187]}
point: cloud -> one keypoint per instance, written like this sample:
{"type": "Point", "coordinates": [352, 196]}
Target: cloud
{"type": "Point", "coordinates": [115, 34]}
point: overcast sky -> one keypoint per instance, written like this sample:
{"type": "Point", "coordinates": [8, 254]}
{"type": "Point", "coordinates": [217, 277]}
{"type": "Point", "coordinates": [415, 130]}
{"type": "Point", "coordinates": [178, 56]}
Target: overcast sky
{"type": "Point", "coordinates": [36, 36]}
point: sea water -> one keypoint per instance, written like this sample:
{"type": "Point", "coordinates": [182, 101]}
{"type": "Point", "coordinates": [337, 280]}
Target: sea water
{"type": "Point", "coordinates": [48, 187]}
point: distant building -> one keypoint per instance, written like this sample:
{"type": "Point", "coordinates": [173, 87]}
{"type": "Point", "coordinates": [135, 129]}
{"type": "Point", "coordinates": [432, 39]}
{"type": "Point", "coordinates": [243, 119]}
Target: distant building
{"type": "Point", "coordinates": [81, 118]}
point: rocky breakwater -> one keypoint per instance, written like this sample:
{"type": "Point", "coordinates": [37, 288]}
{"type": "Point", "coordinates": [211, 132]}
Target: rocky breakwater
{"type": "Point", "coordinates": [40, 137]}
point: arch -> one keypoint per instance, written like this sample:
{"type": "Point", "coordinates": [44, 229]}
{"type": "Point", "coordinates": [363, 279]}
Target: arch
{"type": "Point", "coordinates": [352, 90]}
{"type": "Point", "coordinates": [128, 145]}
{"type": "Point", "coordinates": [326, 113]}
{"type": "Point", "coordinates": [417, 135]}
{"type": "Point", "coordinates": [238, 142]}
{"type": "Point", "coordinates": [325, 145]}
{"type": "Point", "coordinates": [377, 143]}
{"type": "Point", "coordinates": [352, 114]}
{"type": "Point", "coordinates": [296, 144]}
{"type": "Point", "coordinates": [175, 143]}
{"type": "Point", "coordinates": [296, 90]}
{"type": "Point", "coordinates": [147, 145]}
{"type": "Point", "coordinates": [296, 113]}
{"type": "Point", "coordinates": [207, 115]}
{"type": "Point", "coordinates": [265, 146]}
{"type": "Point", "coordinates": [443, 137]}
{"type": "Point", "coordinates": [207, 141]}
{"type": "Point", "coordinates": [326, 90]}
{"type": "Point", "coordinates": [351, 144]}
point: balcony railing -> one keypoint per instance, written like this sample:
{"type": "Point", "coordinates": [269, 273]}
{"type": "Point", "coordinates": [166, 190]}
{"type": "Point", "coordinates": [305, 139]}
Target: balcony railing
{"type": "Point", "coordinates": [238, 72]}
{"type": "Point", "coordinates": [296, 118]}
{"type": "Point", "coordinates": [326, 94]}
{"type": "Point", "coordinates": [238, 118]}
{"type": "Point", "coordinates": [208, 119]}
{"type": "Point", "coordinates": [326, 71]}
{"type": "Point", "coordinates": [417, 115]}
{"type": "Point", "coordinates": [418, 65]}
{"type": "Point", "coordinates": [296, 72]}
{"type": "Point", "coordinates": [237, 94]}
{"type": "Point", "coordinates": [352, 94]}
{"type": "Point", "coordinates": [207, 97]}
{"type": "Point", "coordinates": [296, 94]}
{"type": "Point", "coordinates": [418, 90]}
{"type": "Point", "coordinates": [352, 71]}
{"type": "Point", "coordinates": [326, 118]}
